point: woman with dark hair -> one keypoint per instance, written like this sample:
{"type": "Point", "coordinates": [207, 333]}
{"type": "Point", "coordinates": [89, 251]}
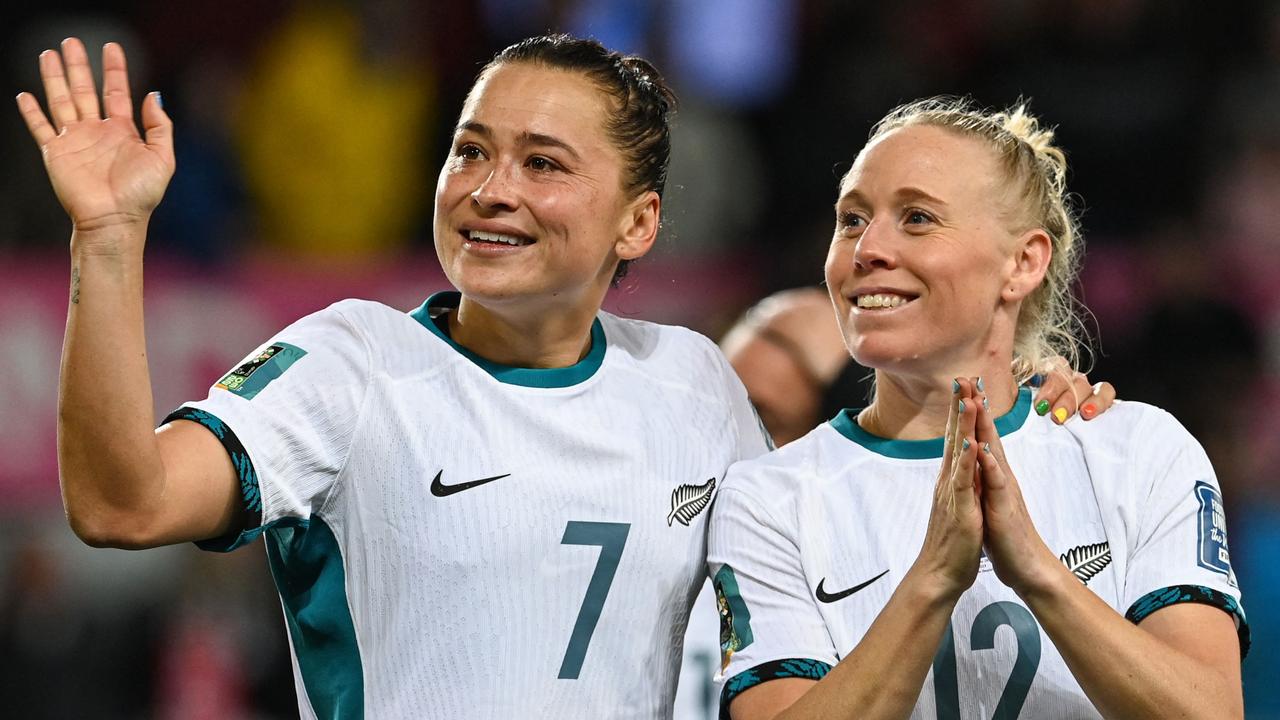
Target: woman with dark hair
{"type": "Point", "coordinates": [491, 506]}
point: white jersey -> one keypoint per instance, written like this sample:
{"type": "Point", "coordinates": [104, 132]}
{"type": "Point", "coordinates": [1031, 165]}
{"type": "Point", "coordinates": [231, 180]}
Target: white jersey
{"type": "Point", "coordinates": [808, 543]}
{"type": "Point", "coordinates": [453, 538]}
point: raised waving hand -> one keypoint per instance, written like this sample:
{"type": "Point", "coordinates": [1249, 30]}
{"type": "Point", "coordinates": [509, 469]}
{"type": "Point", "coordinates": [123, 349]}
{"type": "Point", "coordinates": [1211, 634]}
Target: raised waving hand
{"type": "Point", "coordinates": [124, 484]}
{"type": "Point", "coordinates": [104, 171]}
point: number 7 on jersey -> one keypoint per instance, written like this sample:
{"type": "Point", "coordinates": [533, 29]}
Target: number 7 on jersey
{"type": "Point", "coordinates": [611, 537]}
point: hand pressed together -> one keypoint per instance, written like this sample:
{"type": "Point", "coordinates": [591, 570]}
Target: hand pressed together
{"type": "Point", "coordinates": [1018, 554]}
{"type": "Point", "coordinates": [953, 540]}
{"type": "Point", "coordinates": [978, 504]}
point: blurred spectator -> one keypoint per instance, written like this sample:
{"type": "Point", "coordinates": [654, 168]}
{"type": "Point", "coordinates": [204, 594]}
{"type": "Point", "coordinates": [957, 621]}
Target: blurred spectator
{"type": "Point", "coordinates": [789, 353]}
{"type": "Point", "coordinates": [333, 130]}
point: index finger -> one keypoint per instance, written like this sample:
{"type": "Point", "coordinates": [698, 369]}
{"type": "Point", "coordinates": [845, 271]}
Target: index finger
{"type": "Point", "coordinates": [989, 437]}
{"type": "Point", "coordinates": [953, 434]}
{"type": "Point", "coordinates": [116, 99]}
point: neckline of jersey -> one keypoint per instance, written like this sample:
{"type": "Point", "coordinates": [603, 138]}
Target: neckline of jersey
{"type": "Point", "coordinates": [846, 423]}
{"type": "Point", "coordinates": [510, 374]}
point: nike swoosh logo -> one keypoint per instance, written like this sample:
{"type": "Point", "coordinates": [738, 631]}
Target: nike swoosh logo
{"type": "Point", "coordinates": [439, 489]}
{"type": "Point", "coordinates": [827, 597]}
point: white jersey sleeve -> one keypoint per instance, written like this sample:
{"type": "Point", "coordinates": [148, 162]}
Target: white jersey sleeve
{"type": "Point", "coordinates": [1179, 550]}
{"type": "Point", "coordinates": [753, 439]}
{"type": "Point", "coordinates": [770, 627]}
{"type": "Point", "coordinates": [286, 416]}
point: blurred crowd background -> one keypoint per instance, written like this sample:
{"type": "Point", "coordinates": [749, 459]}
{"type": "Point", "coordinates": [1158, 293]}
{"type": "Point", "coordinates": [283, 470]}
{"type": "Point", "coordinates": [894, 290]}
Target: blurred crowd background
{"type": "Point", "coordinates": [309, 136]}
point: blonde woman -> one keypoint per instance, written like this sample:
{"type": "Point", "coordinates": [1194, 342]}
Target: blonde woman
{"type": "Point", "coordinates": [945, 552]}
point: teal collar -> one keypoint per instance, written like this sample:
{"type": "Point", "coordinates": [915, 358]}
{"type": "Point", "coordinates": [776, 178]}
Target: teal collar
{"type": "Point", "coordinates": [527, 377]}
{"type": "Point", "coordinates": [846, 423]}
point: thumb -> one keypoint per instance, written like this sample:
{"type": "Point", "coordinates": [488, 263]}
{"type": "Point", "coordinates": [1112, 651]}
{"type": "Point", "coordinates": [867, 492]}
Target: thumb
{"type": "Point", "coordinates": [158, 126]}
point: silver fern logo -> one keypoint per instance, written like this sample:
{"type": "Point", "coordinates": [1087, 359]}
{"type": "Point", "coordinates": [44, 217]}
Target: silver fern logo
{"type": "Point", "coordinates": [689, 500]}
{"type": "Point", "coordinates": [1087, 560]}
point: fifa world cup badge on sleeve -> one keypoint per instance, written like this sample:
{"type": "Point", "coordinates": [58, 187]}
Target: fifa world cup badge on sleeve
{"type": "Point", "coordinates": [1213, 530]}
{"type": "Point", "coordinates": [735, 618]}
{"type": "Point", "coordinates": [256, 372]}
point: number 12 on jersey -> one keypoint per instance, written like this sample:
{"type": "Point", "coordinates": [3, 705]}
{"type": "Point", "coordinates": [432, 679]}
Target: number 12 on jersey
{"type": "Point", "coordinates": [982, 637]}
{"type": "Point", "coordinates": [611, 537]}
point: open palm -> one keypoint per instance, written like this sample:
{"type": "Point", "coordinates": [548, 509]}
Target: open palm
{"type": "Point", "coordinates": [102, 169]}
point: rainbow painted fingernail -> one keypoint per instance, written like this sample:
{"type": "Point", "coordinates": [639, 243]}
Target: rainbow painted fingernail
{"type": "Point", "coordinates": [1088, 411]}
{"type": "Point", "coordinates": [1042, 407]}
{"type": "Point", "coordinates": [1060, 415]}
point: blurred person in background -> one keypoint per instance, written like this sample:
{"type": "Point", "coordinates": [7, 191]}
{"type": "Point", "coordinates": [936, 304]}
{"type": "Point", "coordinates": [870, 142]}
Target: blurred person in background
{"type": "Point", "coordinates": [951, 269]}
{"type": "Point", "coordinates": [788, 351]}
{"type": "Point", "coordinates": [337, 173]}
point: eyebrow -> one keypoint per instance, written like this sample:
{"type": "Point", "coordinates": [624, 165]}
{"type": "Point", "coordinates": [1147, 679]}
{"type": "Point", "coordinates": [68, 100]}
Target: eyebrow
{"type": "Point", "coordinates": [906, 194]}
{"type": "Point", "coordinates": [525, 138]}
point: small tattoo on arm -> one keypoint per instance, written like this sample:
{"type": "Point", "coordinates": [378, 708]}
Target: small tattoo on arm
{"type": "Point", "coordinates": [75, 285]}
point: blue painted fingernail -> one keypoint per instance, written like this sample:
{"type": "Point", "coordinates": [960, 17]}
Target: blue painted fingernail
{"type": "Point", "coordinates": [1036, 380]}
{"type": "Point", "coordinates": [986, 448]}
{"type": "Point", "coordinates": [980, 388]}
{"type": "Point", "coordinates": [159, 100]}
{"type": "Point", "coordinates": [961, 407]}
{"type": "Point", "coordinates": [986, 404]}
{"type": "Point", "coordinates": [955, 385]}
{"type": "Point", "coordinates": [965, 444]}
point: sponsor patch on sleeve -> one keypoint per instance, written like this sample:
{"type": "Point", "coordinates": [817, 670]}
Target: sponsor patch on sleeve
{"type": "Point", "coordinates": [1212, 527]}
{"type": "Point", "coordinates": [735, 618]}
{"type": "Point", "coordinates": [258, 371]}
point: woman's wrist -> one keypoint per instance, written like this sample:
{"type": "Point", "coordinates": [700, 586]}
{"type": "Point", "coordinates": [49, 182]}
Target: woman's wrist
{"type": "Point", "coordinates": [1047, 579]}
{"type": "Point", "coordinates": [123, 240]}
{"type": "Point", "coordinates": [932, 587]}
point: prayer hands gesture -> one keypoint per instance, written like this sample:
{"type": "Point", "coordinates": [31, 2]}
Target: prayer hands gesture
{"type": "Point", "coordinates": [1018, 554]}
{"type": "Point", "coordinates": [105, 173]}
{"type": "Point", "coordinates": [978, 504]}
{"type": "Point", "coordinates": [953, 540]}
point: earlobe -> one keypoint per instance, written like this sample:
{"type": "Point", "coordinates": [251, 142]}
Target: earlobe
{"type": "Point", "coordinates": [639, 226]}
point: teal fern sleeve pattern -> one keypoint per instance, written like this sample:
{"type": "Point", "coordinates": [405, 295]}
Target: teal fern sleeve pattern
{"type": "Point", "coordinates": [1164, 597]}
{"type": "Point", "coordinates": [775, 670]}
{"type": "Point", "coordinates": [250, 492]}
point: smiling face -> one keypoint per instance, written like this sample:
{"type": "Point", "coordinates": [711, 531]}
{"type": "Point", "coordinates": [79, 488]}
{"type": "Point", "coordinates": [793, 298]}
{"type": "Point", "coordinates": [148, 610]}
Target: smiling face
{"type": "Point", "coordinates": [530, 208]}
{"type": "Point", "coordinates": [924, 254]}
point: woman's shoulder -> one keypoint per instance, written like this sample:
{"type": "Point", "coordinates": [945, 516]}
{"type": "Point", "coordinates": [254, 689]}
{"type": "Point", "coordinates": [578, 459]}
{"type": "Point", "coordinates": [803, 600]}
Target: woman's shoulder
{"type": "Point", "coordinates": [796, 464]}
{"type": "Point", "coordinates": [670, 354]}
{"type": "Point", "coordinates": [643, 337]}
{"type": "Point", "coordinates": [1131, 421]}
{"type": "Point", "coordinates": [1130, 431]}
